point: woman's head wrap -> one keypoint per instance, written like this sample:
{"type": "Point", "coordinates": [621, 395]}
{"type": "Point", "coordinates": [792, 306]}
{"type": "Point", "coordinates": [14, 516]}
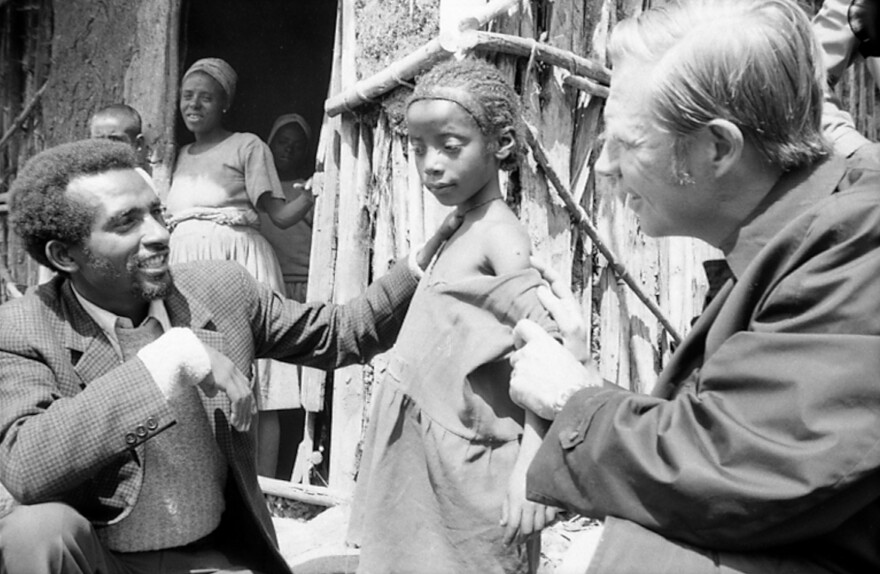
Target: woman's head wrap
{"type": "Point", "coordinates": [220, 71]}
{"type": "Point", "coordinates": [287, 119]}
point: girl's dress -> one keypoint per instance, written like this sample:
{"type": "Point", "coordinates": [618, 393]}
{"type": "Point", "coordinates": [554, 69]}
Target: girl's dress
{"type": "Point", "coordinates": [212, 213]}
{"type": "Point", "coordinates": [444, 434]}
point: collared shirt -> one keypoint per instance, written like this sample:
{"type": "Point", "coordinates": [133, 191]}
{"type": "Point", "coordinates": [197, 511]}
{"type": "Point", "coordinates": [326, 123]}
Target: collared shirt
{"type": "Point", "coordinates": [107, 320]}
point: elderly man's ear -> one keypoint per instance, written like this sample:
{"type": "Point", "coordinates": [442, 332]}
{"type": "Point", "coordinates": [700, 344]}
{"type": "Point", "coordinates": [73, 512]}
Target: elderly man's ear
{"type": "Point", "coordinates": [727, 145]}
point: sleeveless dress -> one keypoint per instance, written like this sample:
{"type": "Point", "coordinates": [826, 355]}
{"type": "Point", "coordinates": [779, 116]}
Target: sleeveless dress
{"type": "Point", "coordinates": [444, 435]}
{"type": "Point", "coordinates": [212, 213]}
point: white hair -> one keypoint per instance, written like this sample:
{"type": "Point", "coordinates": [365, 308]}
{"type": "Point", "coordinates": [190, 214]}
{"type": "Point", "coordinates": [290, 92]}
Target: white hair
{"type": "Point", "coordinates": [754, 63]}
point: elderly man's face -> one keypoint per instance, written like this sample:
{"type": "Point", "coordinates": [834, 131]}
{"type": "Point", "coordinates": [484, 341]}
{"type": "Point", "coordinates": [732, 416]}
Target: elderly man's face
{"type": "Point", "coordinates": [639, 156]}
{"type": "Point", "coordinates": [124, 262]}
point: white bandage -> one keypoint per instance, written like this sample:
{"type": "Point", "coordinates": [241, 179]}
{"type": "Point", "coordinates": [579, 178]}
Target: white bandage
{"type": "Point", "coordinates": [176, 359]}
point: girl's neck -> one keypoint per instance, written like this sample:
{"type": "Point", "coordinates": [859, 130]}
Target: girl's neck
{"type": "Point", "coordinates": [472, 209]}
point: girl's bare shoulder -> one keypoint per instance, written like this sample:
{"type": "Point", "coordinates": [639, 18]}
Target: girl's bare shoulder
{"type": "Point", "coordinates": [506, 244]}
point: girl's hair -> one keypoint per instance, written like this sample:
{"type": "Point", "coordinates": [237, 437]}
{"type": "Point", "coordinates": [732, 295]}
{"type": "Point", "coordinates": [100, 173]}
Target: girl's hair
{"type": "Point", "coordinates": [479, 88]}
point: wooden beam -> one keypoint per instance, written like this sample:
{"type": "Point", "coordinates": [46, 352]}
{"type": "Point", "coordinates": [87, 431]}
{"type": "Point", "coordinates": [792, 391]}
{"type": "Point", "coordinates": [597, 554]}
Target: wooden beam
{"type": "Point", "coordinates": [310, 494]}
{"type": "Point", "coordinates": [384, 81]}
{"type": "Point", "coordinates": [586, 85]}
{"type": "Point", "coordinates": [17, 122]}
{"type": "Point", "coordinates": [528, 47]}
{"type": "Point", "coordinates": [592, 76]}
{"type": "Point", "coordinates": [583, 220]}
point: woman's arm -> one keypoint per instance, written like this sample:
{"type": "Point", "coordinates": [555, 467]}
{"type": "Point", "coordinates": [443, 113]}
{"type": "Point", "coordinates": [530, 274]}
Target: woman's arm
{"type": "Point", "coordinates": [285, 214]}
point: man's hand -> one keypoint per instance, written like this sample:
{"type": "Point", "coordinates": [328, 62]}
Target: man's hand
{"type": "Point", "coordinates": [444, 232]}
{"type": "Point", "coordinates": [226, 377]}
{"type": "Point", "coordinates": [565, 310]}
{"type": "Point", "coordinates": [545, 374]}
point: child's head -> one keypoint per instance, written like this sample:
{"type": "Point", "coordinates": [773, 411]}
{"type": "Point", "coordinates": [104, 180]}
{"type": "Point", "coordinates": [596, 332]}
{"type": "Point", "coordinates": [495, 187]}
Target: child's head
{"type": "Point", "coordinates": [289, 141]}
{"type": "Point", "coordinates": [121, 123]}
{"type": "Point", "coordinates": [480, 89]}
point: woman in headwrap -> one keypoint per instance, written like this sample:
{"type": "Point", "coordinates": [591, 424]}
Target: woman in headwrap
{"type": "Point", "coordinates": [219, 184]}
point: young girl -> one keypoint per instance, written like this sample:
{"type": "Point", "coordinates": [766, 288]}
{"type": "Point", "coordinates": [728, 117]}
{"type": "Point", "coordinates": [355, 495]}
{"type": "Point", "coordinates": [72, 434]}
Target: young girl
{"type": "Point", "coordinates": [290, 143]}
{"type": "Point", "coordinates": [219, 183]}
{"type": "Point", "coordinates": [442, 481]}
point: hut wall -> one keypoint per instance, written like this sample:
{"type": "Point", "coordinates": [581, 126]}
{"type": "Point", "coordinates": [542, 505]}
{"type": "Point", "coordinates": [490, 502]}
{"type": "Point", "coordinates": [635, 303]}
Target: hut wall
{"type": "Point", "coordinates": [88, 55]}
{"type": "Point", "coordinates": [25, 65]}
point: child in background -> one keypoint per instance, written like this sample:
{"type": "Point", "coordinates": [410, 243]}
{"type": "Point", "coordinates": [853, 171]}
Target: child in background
{"type": "Point", "coordinates": [290, 142]}
{"type": "Point", "coordinates": [442, 479]}
{"type": "Point", "coordinates": [122, 123]}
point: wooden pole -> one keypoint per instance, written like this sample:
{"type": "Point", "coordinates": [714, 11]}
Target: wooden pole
{"type": "Point", "coordinates": [592, 76]}
{"type": "Point", "coordinates": [384, 81]}
{"type": "Point", "coordinates": [582, 219]}
{"type": "Point", "coordinates": [508, 44]}
{"type": "Point", "coordinates": [586, 85]}
{"type": "Point", "coordinates": [17, 122]}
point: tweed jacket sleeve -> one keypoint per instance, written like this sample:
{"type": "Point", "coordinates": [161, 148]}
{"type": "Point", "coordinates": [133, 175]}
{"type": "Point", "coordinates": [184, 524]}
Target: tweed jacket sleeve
{"type": "Point", "coordinates": [764, 429]}
{"type": "Point", "coordinates": [321, 335]}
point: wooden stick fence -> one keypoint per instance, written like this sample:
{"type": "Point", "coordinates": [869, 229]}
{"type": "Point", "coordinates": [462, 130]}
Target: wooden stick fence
{"type": "Point", "coordinates": [583, 221]}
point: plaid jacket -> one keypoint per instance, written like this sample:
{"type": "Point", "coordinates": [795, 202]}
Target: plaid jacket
{"type": "Point", "coordinates": [69, 408]}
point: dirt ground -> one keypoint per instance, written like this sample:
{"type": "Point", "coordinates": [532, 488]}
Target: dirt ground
{"type": "Point", "coordinates": [313, 540]}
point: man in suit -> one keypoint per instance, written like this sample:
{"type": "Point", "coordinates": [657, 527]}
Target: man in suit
{"type": "Point", "coordinates": [758, 449]}
{"type": "Point", "coordinates": [124, 405]}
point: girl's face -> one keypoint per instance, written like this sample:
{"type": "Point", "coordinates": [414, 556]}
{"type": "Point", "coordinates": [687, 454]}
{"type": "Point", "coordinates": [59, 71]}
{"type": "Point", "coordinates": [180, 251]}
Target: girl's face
{"type": "Point", "coordinates": [452, 154]}
{"type": "Point", "coordinates": [202, 101]}
{"type": "Point", "coordinates": [289, 146]}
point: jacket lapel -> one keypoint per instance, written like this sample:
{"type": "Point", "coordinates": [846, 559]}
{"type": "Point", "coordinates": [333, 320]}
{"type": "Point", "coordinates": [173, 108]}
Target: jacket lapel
{"type": "Point", "coordinates": [184, 311]}
{"type": "Point", "coordinates": [685, 364]}
{"type": "Point", "coordinates": [89, 351]}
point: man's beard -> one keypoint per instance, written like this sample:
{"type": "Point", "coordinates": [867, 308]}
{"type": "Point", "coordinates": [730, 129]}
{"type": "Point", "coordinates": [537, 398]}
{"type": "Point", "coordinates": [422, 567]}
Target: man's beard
{"type": "Point", "coordinates": [143, 288]}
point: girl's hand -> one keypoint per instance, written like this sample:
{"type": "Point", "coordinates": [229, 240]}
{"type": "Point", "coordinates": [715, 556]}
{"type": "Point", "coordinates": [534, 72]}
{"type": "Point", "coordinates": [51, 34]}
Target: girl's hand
{"type": "Point", "coordinates": [306, 188]}
{"type": "Point", "coordinates": [520, 517]}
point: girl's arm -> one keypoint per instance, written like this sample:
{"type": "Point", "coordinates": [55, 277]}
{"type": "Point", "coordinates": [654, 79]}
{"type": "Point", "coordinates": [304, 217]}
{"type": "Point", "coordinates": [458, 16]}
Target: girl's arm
{"type": "Point", "coordinates": [507, 248]}
{"type": "Point", "coordinates": [521, 517]}
{"type": "Point", "coordinates": [283, 213]}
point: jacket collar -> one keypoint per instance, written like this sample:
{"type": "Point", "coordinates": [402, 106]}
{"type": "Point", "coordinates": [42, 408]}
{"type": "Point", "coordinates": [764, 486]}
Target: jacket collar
{"type": "Point", "coordinates": [92, 354]}
{"type": "Point", "coordinates": [794, 193]}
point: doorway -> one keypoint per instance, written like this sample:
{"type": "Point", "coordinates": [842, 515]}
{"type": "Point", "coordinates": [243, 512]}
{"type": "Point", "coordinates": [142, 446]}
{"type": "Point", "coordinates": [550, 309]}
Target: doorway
{"type": "Point", "coordinates": [281, 50]}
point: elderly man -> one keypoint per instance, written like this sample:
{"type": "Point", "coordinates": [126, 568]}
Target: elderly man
{"type": "Point", "coordinates": [123, 403]}
{"type": "Point", "coordinates": [759, 448]}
